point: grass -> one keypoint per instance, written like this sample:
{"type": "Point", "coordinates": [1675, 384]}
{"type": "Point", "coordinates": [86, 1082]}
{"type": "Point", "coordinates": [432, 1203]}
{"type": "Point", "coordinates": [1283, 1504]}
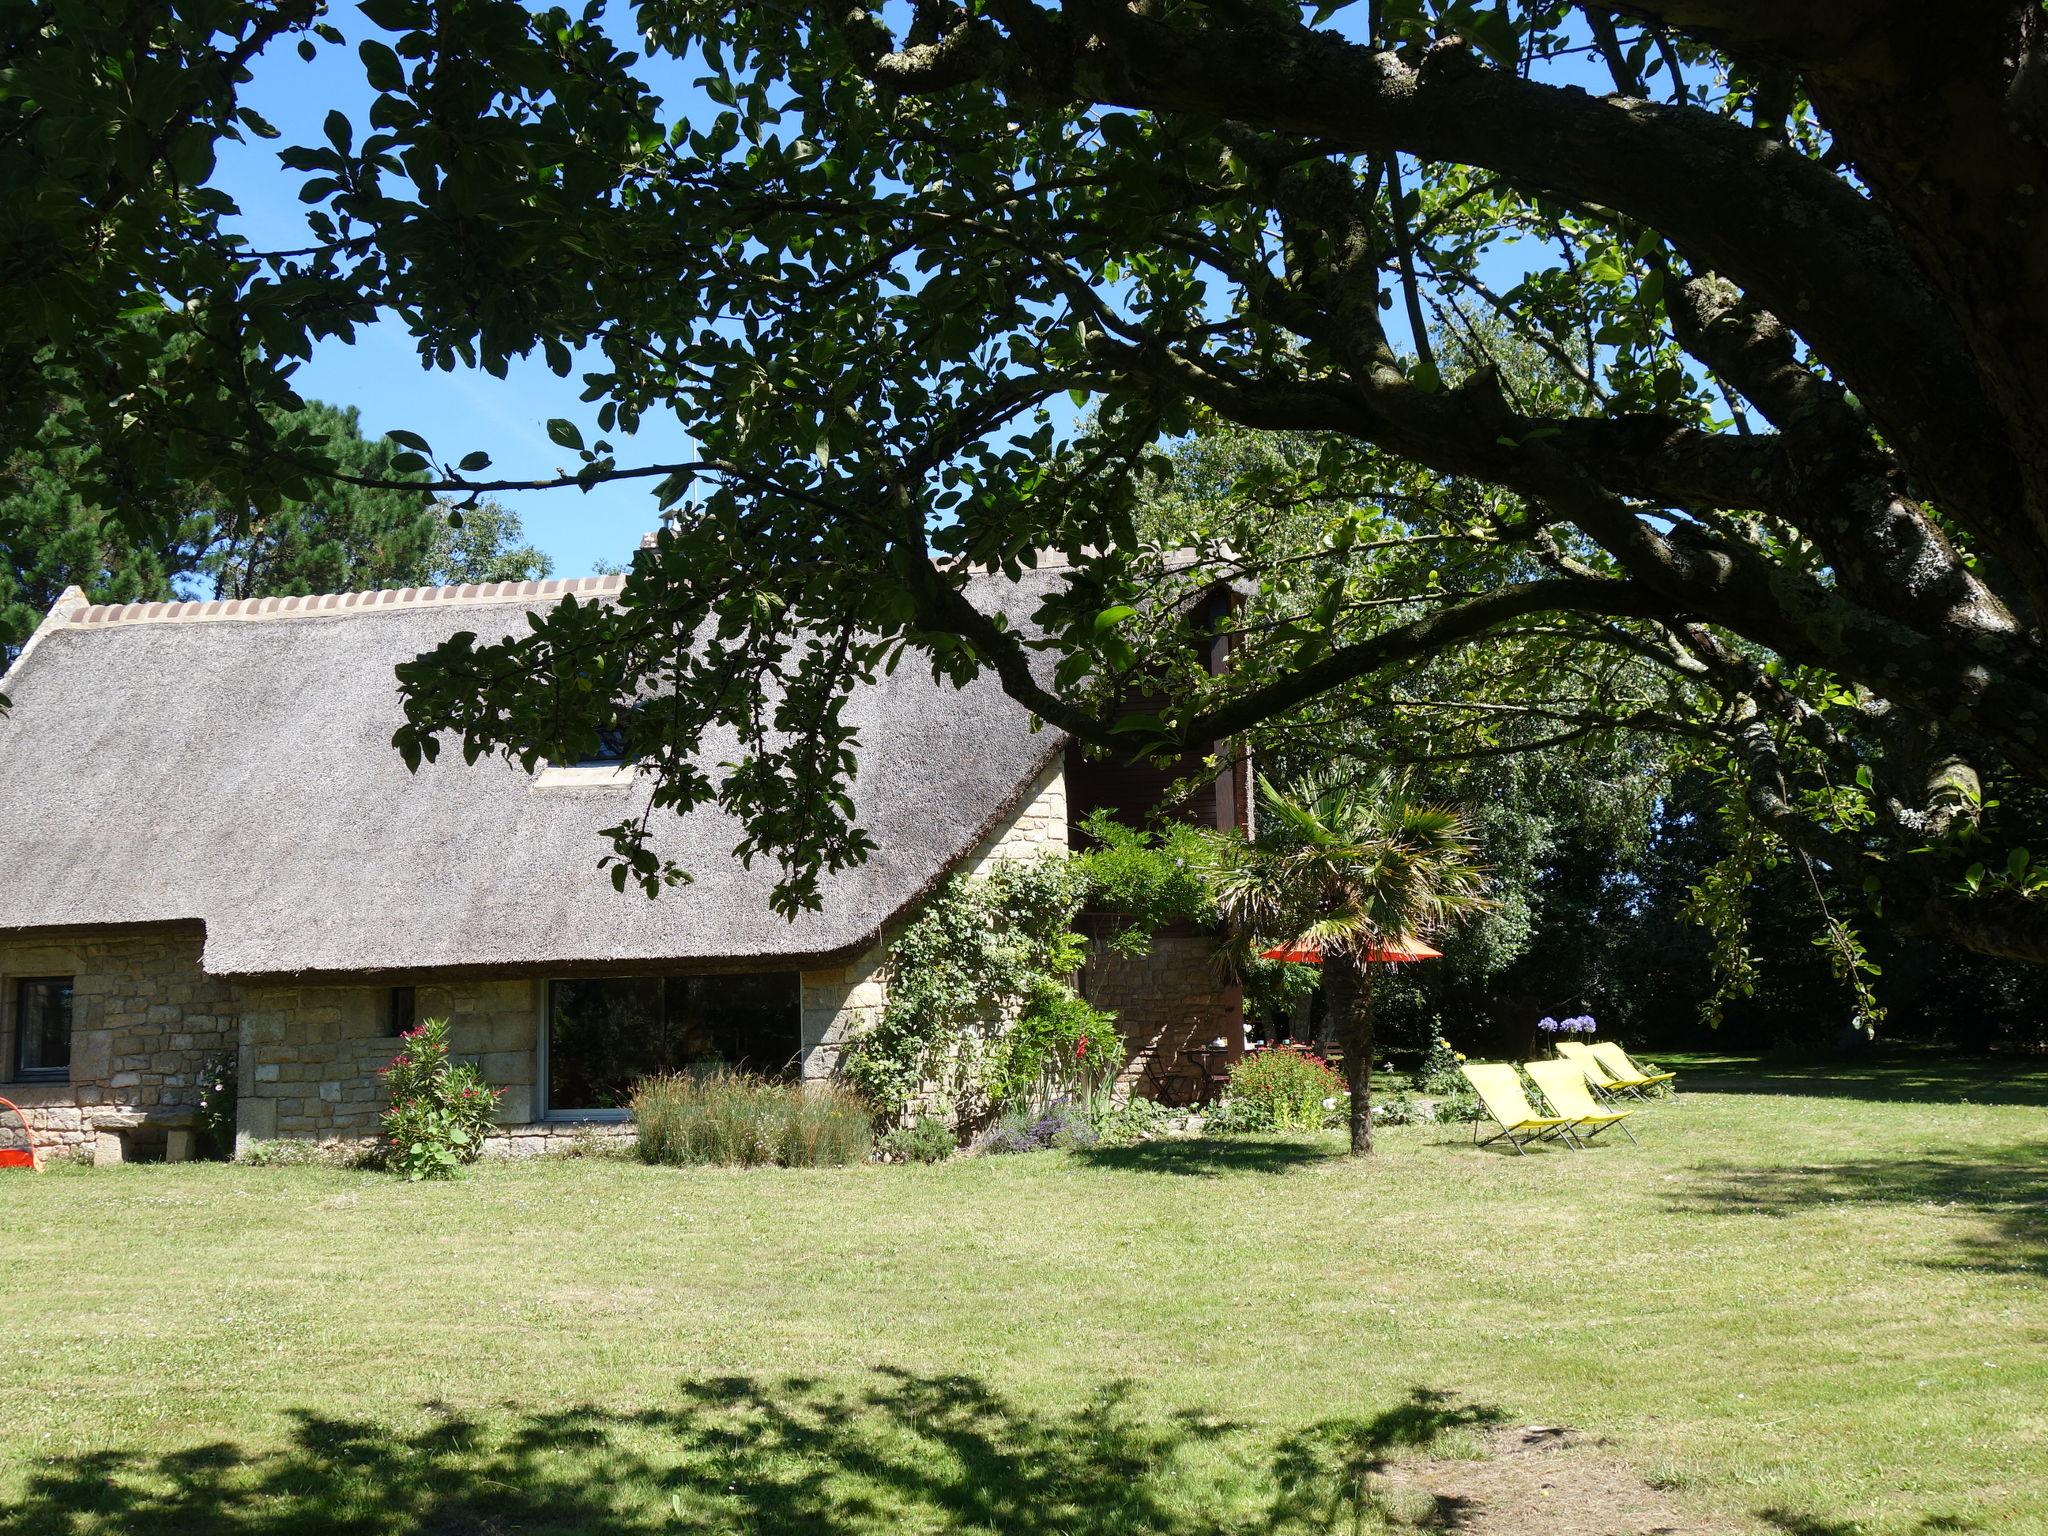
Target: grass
{"type": "Point", "coordinates": [738, 1120]}
{"type": "Point", "coordinates": [1798, 1308]}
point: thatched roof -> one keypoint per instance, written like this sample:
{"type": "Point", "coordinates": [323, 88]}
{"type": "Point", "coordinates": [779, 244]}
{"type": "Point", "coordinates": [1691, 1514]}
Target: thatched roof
{"type": "Point", "coordinates": [231, 763]}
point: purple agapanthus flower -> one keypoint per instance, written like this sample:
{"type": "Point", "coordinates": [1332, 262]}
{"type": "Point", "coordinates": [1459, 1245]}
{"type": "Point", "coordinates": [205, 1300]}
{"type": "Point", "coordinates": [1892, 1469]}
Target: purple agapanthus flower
{"type": "Point", "coordinates": [1549, 1026]}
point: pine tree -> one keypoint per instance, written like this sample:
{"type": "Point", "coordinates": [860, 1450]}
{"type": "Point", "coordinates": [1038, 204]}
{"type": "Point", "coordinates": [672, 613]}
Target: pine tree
{"type": "Point", "coordinates": [350, 539]}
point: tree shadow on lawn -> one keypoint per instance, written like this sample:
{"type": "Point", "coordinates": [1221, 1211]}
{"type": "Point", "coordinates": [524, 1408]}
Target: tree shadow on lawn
{"type": "Point", "coordinates": [1793, 1523]}
{"type": "Point", "coordinates": [791, 1457]}
{"type": "Point", "coordinates": [1900, 1075]}
{"type": "Point", "coordinates": [1211, 1157]}
{"type": "Point", "coordinates": [2008, 1188]}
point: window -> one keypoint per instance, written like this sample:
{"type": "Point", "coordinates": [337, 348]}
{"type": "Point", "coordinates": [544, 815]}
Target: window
{"type": "Point", "coordinates": [604, 1035]}
{"type": "Point", "coordinates": [42, 1029]}
{"type": "Point", "coordinates": [611, 748]}
{"type": "Point", "coordinates": [405, 1002]}
{"type": "Point", "coordinates": [611, 764]}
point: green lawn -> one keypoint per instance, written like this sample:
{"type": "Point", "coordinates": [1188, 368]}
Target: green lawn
{"type": "Point", "coordinates": [1811, 1303]}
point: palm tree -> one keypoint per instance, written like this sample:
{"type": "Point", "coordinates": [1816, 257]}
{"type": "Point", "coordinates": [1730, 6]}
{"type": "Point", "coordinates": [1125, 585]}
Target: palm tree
{"type": "Point", "coordinates": [1349, 868]}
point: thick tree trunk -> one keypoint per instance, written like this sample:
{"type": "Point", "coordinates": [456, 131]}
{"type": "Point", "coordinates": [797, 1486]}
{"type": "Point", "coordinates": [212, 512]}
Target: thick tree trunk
{"type": "Point", "coordinates": [1349, 984]}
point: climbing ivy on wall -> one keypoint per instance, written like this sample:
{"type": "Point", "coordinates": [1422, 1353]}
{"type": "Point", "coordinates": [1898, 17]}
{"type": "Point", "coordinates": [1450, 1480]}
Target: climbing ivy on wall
{"type": "Point", "coordinates": [981, 1004]}
{"type": "Point", "coordinates": [1142, 881]}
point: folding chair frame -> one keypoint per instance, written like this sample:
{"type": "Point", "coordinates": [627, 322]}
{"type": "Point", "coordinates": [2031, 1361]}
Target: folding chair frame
{"type": "Point", "coordinates": [1507, 1134]}
{"type": "Point", "coordinates": [1641, 1087]}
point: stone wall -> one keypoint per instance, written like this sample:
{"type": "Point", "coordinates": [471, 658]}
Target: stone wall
{"type": "Point", "coordinates": [145, 1019]}
{"type": "Point", "coordinates": [311, 1055]}
{"type": "Point", "coordinates": [1166, 1000]}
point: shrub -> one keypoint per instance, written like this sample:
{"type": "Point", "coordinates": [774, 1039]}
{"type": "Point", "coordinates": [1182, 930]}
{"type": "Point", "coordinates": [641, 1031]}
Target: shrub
{"type": "Point", "coordinates": [439, 1111]}
{"type": "Point", "coordinates": [930, 1140]}
{"type": "Point", "coordinates": [1122, 1122]}
{"type": "Point", "coordinates": [984, 951]}
{"type": "Point", "coordinates": [736, 1120]}
{"type": "Point", "coordinates": [1460, 1108]}
{"type": "Point", "coordinates": [1439, 1072]}
{"type": "Point", "coordinates": [1058, 1040]}
{"type": "Point", "coordinates": [1402, 1109]}
{"type": "Point", "coordinates": [1286, 1089]}
{"type": "Point", "coordinates": [1235, 1117]}
{"type": "Point", "coordinates": [1143, 881]}
{"type": "Point", "coordinates": [218, 1087]}
{"type": "Point", "coordinates": [1064, 1126]}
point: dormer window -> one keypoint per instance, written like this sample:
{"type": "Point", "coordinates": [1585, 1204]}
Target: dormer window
{"type": "Point", "coordinates": [611, 749]}
{"type": "Point", "coordinates": [609, 765]}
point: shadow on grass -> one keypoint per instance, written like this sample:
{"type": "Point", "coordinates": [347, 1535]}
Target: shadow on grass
{"type": "Point", "coordinates": [1794, 1524]}
{"type": "Point", "coordinates": [1200, 1157]}
{"type": "Point", "coordinates": [2007, 1188]}
{"type": "Point", "coordinates": [784, 1458]}
{"type": "Point", "coordinates": [1899, 1075]}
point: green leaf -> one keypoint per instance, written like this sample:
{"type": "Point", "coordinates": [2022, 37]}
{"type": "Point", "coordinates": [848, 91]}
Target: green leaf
{"type": "Point", "coordinates": [475, 461]}
{"type": "Point", "coordinates": [1109, 618]}
{"type": "Point", "coordinates": [410, 440]}
{"type": "Point", "coordinates": [565, 433]}
{"type": "Point", "coordinates": [380, 66]}
{"type": "Point", "coordinates": [1131, 724]}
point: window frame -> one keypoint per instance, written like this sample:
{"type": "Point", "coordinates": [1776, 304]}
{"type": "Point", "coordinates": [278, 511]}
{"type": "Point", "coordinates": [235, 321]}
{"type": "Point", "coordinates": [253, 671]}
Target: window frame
{"type": "Point", "coordinates": [411, 1011]}
{"type": "Point", "coordinates": [23, 1073]}
{"type": "Point", "coordinates": [544, 1028]}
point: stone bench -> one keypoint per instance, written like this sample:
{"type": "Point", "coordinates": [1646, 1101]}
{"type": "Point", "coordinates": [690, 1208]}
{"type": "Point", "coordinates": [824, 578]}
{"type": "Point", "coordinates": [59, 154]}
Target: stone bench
{"type": "Point", "coordinates": [112, 1127]}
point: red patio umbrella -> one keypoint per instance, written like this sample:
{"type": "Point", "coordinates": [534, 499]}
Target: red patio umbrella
{"type": "Point", "coordinates": [1394, 954]}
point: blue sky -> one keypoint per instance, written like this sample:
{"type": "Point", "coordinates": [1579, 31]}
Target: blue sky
{"type": "Point", "coordinates": [381, 373]}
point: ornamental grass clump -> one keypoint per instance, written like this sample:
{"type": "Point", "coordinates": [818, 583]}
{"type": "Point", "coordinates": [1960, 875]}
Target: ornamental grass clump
{"type": "Point", "coordinates": [737, 1120]}
{"type": "Point", "coordinates": [439, 1111]}
{"type": "Point", "coordinates": [1285, 1090]}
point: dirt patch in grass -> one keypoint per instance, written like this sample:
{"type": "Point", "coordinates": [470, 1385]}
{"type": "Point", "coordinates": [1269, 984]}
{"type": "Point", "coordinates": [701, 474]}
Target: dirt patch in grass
{"type": "Point", "coordinates": [1531, 1480]}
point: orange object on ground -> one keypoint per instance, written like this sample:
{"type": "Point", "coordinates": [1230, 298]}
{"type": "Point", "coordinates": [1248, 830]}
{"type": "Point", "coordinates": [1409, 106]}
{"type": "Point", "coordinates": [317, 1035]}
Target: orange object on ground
{"type": "Point", "coordinates": [28, 1155]}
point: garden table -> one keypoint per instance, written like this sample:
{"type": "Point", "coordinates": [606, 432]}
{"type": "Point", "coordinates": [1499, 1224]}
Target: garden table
{"type": "Point", "coordinates": [1212, 1069]}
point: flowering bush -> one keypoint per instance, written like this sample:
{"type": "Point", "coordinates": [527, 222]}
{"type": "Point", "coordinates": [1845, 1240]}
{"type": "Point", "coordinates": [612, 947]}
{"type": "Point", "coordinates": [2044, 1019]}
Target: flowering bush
{"type": "Point", "coordinates": [1285, 1089]}
{"type": "Point", "coordinates": [982, 999]}
{"type": "Point", "coordinates": [218, 1086]}
{"type": "Point", "coordinates": [1579, 1024]}
{"type": "Point", "coordinates": [1439, 1074]}
{"type": "Point", "coordinates": [1057, 1043]}
{"type": "Point", "coordinates": [439, 1110]}
{"type": "Point", "coordinates": [1064, 1126]}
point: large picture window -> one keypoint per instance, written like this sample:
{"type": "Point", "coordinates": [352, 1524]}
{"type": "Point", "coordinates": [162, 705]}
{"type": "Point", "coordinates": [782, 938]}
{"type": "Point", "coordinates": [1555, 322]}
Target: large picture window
{"type": "Point", "coordinates": [42, 1029]}
{"type": "Point", "coordinates": [605, 1034]}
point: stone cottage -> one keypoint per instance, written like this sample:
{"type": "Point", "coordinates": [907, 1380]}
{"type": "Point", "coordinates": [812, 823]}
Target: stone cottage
{"type": "Point", "coordinates": [208, 846]}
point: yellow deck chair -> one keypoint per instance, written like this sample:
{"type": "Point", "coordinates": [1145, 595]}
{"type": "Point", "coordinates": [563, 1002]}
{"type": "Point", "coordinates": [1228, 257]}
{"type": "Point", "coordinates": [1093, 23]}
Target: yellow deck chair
{"type": "Point", "coordinates": [1501, 1092]}
{"type": "Point", "coordinates": [1623, 1069]}
{"type": "Point", "coordinates": [1604, 1082]}
{"type": "Point", "coordinates": [1564, 1085]}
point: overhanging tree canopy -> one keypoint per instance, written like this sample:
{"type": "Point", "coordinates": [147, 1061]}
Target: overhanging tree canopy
{"type": "Point", "coordinates": [1791, 257]}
